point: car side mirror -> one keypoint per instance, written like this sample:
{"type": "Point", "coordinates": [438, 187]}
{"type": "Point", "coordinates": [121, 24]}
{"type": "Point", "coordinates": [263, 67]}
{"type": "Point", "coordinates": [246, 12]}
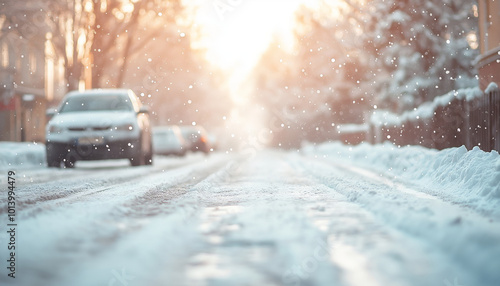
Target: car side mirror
{"type": "Point", "coordinates": [144, 109]}
{"type": "Point", "coordinates": [49, 113]}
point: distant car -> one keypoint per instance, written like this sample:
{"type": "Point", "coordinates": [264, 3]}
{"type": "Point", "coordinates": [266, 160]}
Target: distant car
{"type": "Point", "coordinates": [99, 124]}
{"type": "Point", "coordinates": [196, 138]}
{"type": "Point", "coordinates": [168, 140]}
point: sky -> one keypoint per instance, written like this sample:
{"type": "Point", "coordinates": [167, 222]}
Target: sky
{"type": "Point", "coordinates": [237, 32]}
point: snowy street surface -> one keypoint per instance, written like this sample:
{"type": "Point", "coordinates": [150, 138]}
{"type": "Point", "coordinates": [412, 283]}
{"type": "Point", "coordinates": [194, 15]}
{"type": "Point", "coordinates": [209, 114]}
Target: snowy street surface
{"type": "Point", "coordinates": [314, 217]}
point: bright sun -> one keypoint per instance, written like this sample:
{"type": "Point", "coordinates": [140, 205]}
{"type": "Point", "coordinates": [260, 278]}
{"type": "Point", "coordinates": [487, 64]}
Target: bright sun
{"type": "Point", "coordinates": [237, 32]}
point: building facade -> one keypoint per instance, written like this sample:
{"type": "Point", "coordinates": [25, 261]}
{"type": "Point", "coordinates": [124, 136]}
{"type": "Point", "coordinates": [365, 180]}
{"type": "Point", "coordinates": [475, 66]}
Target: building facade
{"type": "Point", "coordinates": [489, 41]}
{"type": "Point", "coordinates": [31, 77]}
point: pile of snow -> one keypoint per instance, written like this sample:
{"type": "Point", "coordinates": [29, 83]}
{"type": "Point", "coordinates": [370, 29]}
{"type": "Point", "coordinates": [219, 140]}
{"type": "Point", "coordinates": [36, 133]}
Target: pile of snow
{"type": "Point", "coordinates": [426, 110]}
{"type": "Point", "coordinates": [22, 154]}
{"type": "Point", "coordinates": [467, 178]}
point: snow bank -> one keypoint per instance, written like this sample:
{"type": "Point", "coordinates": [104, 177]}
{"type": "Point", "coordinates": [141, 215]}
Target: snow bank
{"type": "Point", "coordinates": [19, 154]}
{"type": "Point", "coordinates": [468, 178]}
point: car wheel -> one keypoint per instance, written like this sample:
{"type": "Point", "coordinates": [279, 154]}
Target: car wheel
{"type": "Point", "coordinates": [70, 159]}
{"type": "Point", "coordinates": [53, 163]}
{"type": "Point", "coordinates": [149, 155]}
{"type": "Point", "coordinates": [137, 160]}
{"type": "Point", "coordinates": [69, 163]}
{"type": "Point", "coordinates": [139, 157]}
{"type": "Point", "coordinates": [53, 158]}
{"type": "Point", "coordinates": [206, 149]}
{"type": "Point", "coordinates": [181, 153]}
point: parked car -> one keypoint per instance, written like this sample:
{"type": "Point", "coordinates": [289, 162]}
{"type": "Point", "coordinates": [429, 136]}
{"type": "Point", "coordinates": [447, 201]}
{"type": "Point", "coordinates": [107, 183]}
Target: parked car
{"type": "Point", "coordinates": [196, 138]}
{"type": "Point", "coordinates": [99, 124]}
{"type": "Point", "coordinates": [168, 140]}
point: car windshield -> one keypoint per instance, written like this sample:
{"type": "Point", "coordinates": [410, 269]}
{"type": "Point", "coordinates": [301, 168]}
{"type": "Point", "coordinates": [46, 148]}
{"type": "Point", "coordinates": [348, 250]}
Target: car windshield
{"type": "Point", "coordinates": [166, 135]}
{"type": "Point", "coordinates": [96, 103]}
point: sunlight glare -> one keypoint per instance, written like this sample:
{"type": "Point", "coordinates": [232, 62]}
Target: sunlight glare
{"type": "Point", "coordinates": [237, 34]}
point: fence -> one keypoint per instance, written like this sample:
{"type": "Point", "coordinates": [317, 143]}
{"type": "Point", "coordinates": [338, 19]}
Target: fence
{"type": "Point", "coordinates": [485, 120]}
{"type": "Point", "coordinates": [467, 117]}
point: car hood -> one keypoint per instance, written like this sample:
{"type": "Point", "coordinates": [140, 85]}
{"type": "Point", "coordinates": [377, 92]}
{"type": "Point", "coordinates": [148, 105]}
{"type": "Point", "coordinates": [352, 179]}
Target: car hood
{"type": "Point", "coordinates": [93, 119]}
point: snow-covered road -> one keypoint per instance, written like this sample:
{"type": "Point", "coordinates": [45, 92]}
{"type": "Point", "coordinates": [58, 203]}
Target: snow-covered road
{"type": "Point", "coordinates": [277, 218]}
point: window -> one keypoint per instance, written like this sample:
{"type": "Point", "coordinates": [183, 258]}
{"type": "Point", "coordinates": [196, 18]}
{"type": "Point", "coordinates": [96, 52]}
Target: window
{"type": "Point", "coordinates": [32, 62]}
{"type": "Point", "coordinates": [5, 55]}
{"type": "Point", "coordinates": [96, 103]}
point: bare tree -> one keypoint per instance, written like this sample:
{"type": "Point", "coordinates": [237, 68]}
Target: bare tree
{"type": "Point", "coordinates": [123, 28]}
{"type": "Point", "coordinates": [69, 22]}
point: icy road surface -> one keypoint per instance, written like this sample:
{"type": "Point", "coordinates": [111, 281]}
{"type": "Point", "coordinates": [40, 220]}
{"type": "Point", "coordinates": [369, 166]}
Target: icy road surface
{"type": "Point", "coordinates": [278, 218]}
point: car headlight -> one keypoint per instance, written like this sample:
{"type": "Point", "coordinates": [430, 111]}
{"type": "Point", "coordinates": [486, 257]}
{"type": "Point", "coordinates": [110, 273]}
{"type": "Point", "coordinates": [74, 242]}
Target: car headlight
{"type": "Point", "coordinates": [125, 127]}
{"type": "Point", "coordinates": [55, 129]}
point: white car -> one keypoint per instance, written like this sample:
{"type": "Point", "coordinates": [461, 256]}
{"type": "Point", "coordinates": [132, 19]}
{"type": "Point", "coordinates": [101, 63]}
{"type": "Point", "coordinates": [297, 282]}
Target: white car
{"type": "Point", "coordinates": [168, 140]}
{"type": "Point", "coordinates": [99, 124]}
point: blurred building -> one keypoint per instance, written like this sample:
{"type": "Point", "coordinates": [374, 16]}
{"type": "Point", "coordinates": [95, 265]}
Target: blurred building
{"type": "Point", "coordinates": [489, 37]}
{"type": "Point", "coordinates": [31, 76]}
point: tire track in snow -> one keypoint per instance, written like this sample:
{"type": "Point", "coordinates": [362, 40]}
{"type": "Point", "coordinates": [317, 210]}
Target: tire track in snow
{"type": "Point", "coordinates": [73, 231]}
{"type": "Point", "coordinates": [456, 233]}
{"type": "Point", "coordinates": [256, 230]}
{"type": "Point", "coordinates": [81, 182]}
{"type": "Point", "coordinates": [88, 169]}
{"type": "Point", "coordinates": [271, 225]}
{"type": "Point", "coordinates": [276, 219]}
{"type": "Point", "coordinates": [170, 233]}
